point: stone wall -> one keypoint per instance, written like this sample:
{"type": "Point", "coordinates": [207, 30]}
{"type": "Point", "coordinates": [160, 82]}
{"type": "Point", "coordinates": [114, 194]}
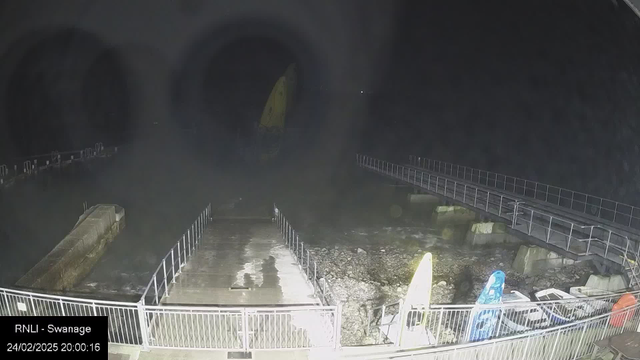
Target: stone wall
{"type": "Point", "coordinates": [78, 252]}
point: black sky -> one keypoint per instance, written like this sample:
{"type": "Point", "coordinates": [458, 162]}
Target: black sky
{"type": "Point", "coordinates": [546, 90]}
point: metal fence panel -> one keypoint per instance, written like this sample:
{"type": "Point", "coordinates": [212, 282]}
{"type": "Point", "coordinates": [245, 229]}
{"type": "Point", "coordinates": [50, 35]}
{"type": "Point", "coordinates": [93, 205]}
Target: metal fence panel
{"type": "Point", "coordinates": [171, 265]}
{"type": "Point", "coordinates": [570, 341]}
{"type": "Point", "coordinates": [605, 209]}
{"type": "Point", "coordinates": [124, 324]}
{"type": "Point", "coordinates": [576, 238]}
{"type": "Point", "coordinates": [241, 328]}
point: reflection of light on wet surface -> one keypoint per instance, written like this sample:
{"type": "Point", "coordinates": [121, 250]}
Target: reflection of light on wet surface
{"type": "Point", "coordinates": [253, 268]}
{"type": "Point", "coordinates": [293, 289]}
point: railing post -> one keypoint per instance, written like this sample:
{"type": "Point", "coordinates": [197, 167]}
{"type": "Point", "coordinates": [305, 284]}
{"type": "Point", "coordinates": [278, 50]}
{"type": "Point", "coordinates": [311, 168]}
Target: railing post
{"type": "Point", "coordinates": [245, 330]}
{"type": "Point", "coordinates": [500, 206]}
{"type": "Point", "coordinates": [6, 301]}
{"type": "Point", "coordinates": [173, 265]}
{"type": "Point", "coordinates": [606, 250]}
{"type": "Point", "coordinates": [549, 230]}
{"type": "Point", "coordinates": [578, 348]}
{"type": "Point", "coordinates": [525, 355]}
{"type": "Point", "coordinates": [401, 323]}
{"type": "Point", "coordinates": [570, 234]}
{"type": "Point", "coordinates": [164, 271]}
{"type": "Point", "coordinates": [486, 208]}
{"type": "Point", "coordinates": [546, 195]}
{"type": "Point", "coordinates": [455, 185]}
{"type": "Point", "coordinates": [626, 250]}
{"type": "Point", "coordinates": [384, 309]}
{"type": "Point", "coordinates": [324, 287]}
{"type": "Point", "coordinates": [475, 200]}
{"type": "Point", "coordinates": [439, 326]}
{"type": "Point", "coordinates": [142, 318]}
{"type": "Point", "coordinates": [155, 286]}
{"type": "Point", "coordinates": [180, 257]}
{"type": "Point", "coordinates": [338, 325]}
{"type": "Point", "coordinates": [33, 307]}
{"type": "Point", "coordinates": [464, 194]}
{"type": "Point", "coordinates": [589, 241]}
{"type": "Point", "coordinates": [573, 194]}
{"type": "Point", "coordinates": [188, 244]}
{"type": "Point", "coordinates": [194, 236]}
{"type": "Point", "coordinates": [555, 344]}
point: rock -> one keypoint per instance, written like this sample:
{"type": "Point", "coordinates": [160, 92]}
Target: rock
{"type": "Point", "coordinates": [382, 274]}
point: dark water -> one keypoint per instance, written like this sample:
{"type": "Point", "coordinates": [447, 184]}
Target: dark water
{"type": "Point", "coordinates": [163, 190]}
{"type": "Point", "coordinates": [36, 214]}
{"type": "Point", "coordinates": [161, 193]}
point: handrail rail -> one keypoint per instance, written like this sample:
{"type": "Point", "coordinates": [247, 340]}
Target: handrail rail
{"type": "Point", "coordinates": [177, 308]}
{"type": "Point", "coordinates": [514, 305]}
{"type": "Point", "coordinates": [538, 188]}
{"type": "Point", "coordinates": [138, 323]}
{"type": "Point", "coordinates": [633, 310]}
{"type": "Point", "coordinates": [28, 165]}
{"type": "Point", "coordinates": [177, 256]}
{"type": "Point", "coordinates": [549, 228]}
{"type": "Point", "coordinates": [492, 180]}
{"type": "Point", "coordinates": [316, 276]}
{"type": "Point", "coordinates": [67, 298]}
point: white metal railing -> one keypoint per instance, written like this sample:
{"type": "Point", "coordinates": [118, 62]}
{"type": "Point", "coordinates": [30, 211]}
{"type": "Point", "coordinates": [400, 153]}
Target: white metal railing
{"type": "Point", "coordinates": [450, 324]}
{"type": "Point", "coordinates": [172, 264]}
{"type": "Point", "coordinates": [124, 318]}
{"type": "Point", "coordinates": [259, 328]}
{"type": "Point", "coordinates": [149, 324]}
{"type": "Point", "coordinates": [552, 229]}
{"type": "Point", "coordinates": [315, 275]}
{"type": "Point", "coordinates": [605, 209]}
{"type": "Point", "coordinates": [33, 164]}
{"type": "Point", "coordinates": [569, 341]}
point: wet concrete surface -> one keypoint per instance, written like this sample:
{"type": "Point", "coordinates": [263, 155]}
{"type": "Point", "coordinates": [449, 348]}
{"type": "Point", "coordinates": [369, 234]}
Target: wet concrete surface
{"type": "Point", "coordinates": [241, 263]}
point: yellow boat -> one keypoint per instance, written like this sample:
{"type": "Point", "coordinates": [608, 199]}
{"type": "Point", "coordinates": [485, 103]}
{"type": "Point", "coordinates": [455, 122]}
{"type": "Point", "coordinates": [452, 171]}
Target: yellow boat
{"type": "Point", "coordinates": [272, 123]}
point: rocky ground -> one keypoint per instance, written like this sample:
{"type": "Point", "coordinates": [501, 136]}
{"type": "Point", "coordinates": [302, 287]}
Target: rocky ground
{"type": "Point", "coordinates": [368, 267]}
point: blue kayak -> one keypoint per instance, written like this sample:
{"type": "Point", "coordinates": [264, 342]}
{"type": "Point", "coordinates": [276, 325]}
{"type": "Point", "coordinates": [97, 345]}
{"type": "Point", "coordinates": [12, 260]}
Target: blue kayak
{"type": "Point", "coordinates": [484, 322]}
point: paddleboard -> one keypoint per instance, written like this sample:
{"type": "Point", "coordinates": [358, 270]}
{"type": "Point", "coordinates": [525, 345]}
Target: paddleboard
{"type": "Point", "coordinates": [419, 291]}
{"type": "Point", "coordinates": [413, 331]}
{"type": "Point", "coordinates": [483, 322]}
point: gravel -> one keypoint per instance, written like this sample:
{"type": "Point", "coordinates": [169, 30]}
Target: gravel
{"type": "Point", "coordinates": [374, 266]}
